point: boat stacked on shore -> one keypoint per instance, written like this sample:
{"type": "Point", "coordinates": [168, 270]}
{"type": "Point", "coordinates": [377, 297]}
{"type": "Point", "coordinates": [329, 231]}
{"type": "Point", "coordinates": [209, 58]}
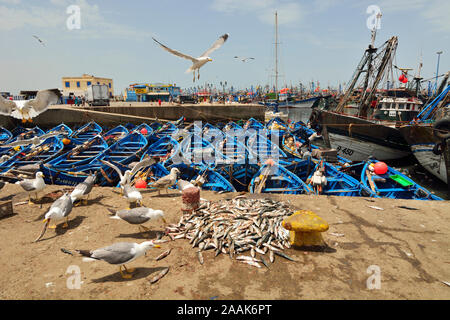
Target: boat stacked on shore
{"type": "Point", "coordinates": [276, 157]}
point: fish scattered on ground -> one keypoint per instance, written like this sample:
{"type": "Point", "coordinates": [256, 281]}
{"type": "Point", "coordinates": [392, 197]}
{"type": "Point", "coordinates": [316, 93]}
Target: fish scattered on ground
{"type": "Point", "coordinates": [161, 274]}
{"type": "Point", "coordinates": [376, 208]}
{"type": "Point", "coordinates": [235, 226]}
{"type": "Point", "coordinates": [163, 255]}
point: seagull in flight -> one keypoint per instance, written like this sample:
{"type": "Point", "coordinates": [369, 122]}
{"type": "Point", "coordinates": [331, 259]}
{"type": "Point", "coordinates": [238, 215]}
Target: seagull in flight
{"type": "Point", "coordinates": [38, 39]}
{"type": "Point", "coordinates": [243, 59]}
{"type": "Point", "coordinates": [28, 109]}
{"type": "Point", "coordinates": [197, 63]}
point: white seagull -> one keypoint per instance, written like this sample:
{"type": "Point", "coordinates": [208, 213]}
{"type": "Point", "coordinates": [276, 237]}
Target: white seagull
{"type": "Point", "coordinates": [166, 181]}
{"type": "Point", "coordinates": [118, 253]}
{"type": "Point", "coordinates": [28, 109]}
{"type": "Point", "coordinates": [83, 189]}
{"type": "Point", "coordinates": [38, 39]}
{"type": "Point", "coordinates": [132, 195]}
{"type": "Point", "coordinates": [138, 216]}
{"type": "Point", "coordinates": [243, 59]}
{"type": "Point", "coordinates": [59, 210]}
{"type": "Point", "coordinates": [33, 185]}
{"type": "Point", "coordinates": [126, 177]}
{"type": "Point", "coordinates": [200, 61]}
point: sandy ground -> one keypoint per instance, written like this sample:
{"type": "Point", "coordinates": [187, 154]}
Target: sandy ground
{"type": "Point", "coordinates": [410, 247]}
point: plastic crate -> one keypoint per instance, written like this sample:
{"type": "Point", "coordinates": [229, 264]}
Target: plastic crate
{"type": "Point", "coordinates": [6, 208]}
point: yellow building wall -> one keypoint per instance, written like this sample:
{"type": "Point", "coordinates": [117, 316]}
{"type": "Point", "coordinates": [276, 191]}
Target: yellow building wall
{"type": "Point", "coordinates": [83, 82]}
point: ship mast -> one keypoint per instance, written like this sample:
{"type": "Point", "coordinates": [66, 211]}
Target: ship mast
{"type": "Point", "coordinates": [276, 56]}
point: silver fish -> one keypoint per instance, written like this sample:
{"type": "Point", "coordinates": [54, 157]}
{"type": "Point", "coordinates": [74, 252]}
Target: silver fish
{"type": "Point", "coordinates": [161, 274]}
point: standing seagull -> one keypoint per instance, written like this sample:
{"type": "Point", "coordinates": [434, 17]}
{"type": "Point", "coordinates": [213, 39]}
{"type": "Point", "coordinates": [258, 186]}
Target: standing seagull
{"type": "Point", "coordinates": [59, 210]}
{"type": "Point", "coordinates": [38, 39]}
{"type": "Point", "coordinates": [138, 216]}
{"type": "Point", "coordinates": [83, 189]}
{"type": "Point", "coordinates": [118, 253]}
{"type": "Point", "coordinates": [200, 61]}
{"type": "Point", "coordinates": [166, 181]}
{"type": "Point", "coordinates": [33, 185]}
{"type": "Point", "coordinates": [28, 109]}
{"type": "Point", "coordinates": [132, 195]}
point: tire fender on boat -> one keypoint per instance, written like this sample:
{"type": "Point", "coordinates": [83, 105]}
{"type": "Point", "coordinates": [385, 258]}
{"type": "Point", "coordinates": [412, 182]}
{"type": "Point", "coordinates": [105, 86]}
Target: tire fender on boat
{"type": "Point", "coordinates": [438, 148]}
{"type": "Point", "coordinates": [442, 125]}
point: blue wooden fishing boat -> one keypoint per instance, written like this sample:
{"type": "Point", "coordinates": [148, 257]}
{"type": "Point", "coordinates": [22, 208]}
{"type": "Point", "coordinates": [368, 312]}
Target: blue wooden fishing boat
{"type": "Point", "coordinates": [253, 124]}
{"type": "Point", "coordinates": [166, 149]}
{"type": "Point", "coordinates": [262, 148]}
{"type": "Point", "coordinates": [87, 132]}
{"type": "Point", "coordinates": [121, 153]}
{"type": "Point", "coordinates": [72, 161]}
{"type": "Point", "coordinates": [231, 126]}
{"type": "Point", "coordinates": [272, 178]}
{"type": "Point", "coordinates": [339, 183]}
{"type": "Point", "coordinates": [61, 128]}
{"type": "Point", "coordinates": [115, 134]}
{"type": "Point", "coordinates": [142, 128]}
{"type": "Point", "coordinates": [278, 125]}
{"type": "Point", "coordinates": [197, 151]}
{"type": "Point", "coordinates": [393, 184]}
{"type": "Point", "coordinates": [22, 134]}
{"type": "Point", "coordinates": [213, 181]}
{"type": "Point", "coordinates": [34, 155]}
{"type": "Point", "coordinates": [5, 135]}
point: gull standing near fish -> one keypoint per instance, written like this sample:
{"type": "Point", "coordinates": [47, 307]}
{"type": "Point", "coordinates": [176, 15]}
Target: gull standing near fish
{"type": "Point", "coordinates": [138, 216]}
{"type": "Point", "coordinates": [132, 195]}
{"type": "Point", "coordinates": [83, 189]}
{"type": "Point", "coordinates": [33, 185]}
{"type": "Point", "coordinates": [166, 181]}
{"type": "Point", "coordinates": [197, 63]}
{"type": "Point", "coordinates": [119, 253]}
{"type": "Point", "coordinates": [28, 109]}
{"type": "Point", "coordinates": [59, 210]}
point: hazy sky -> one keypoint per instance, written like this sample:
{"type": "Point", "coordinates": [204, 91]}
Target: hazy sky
{"type": "Point", "coordinates": [320, 40]}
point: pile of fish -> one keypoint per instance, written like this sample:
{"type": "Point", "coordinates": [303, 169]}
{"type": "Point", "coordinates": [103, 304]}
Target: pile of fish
{"type": "Point", "coordinates": [236, 226]}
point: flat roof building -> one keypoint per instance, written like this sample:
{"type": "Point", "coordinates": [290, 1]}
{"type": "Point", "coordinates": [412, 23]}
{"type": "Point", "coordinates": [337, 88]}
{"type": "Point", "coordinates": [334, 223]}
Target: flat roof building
{"type": "Point", "coordinates": [144, 92]}
{"type": "Point", "coordinates": [78, 85]}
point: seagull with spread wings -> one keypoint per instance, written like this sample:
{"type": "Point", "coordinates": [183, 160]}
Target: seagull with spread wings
{"type": "Point", "coordinates": [243, 59]}
{"type": "Point", "coordinates": [126, 177]}
{"type": "Point", "coordinates": [38, 39]}
{"type": "Point", "coordinates": [28, 109]}
{"type": "Point", "coordinates": [198, 62]}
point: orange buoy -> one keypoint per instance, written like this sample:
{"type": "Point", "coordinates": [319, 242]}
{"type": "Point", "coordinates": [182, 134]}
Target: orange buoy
{"type": "Point", "coordinates": [380, 168]}
{"type": "Point", "coordinates": [144, 131]}
{"type": "Point", "coordinates": [141, 184]}
{"type": "Point", "coordinates": [66, 141]}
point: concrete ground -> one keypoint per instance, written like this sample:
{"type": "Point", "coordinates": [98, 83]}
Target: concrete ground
{"type": "Point", "coordinates": [408, 250]}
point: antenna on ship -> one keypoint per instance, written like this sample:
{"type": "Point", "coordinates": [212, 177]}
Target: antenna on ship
{"type": "Point", "coordinates": [276, 56]}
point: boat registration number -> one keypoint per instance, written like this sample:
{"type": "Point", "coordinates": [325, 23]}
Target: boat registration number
{"type": "Point", "coordinates": [346, 151]}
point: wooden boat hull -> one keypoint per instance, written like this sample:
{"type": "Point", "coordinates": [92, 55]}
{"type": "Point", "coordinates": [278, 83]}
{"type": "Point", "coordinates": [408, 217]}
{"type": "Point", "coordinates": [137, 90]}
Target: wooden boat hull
{"type": "Point", "coordinates": [358, 139]}
{"type": "Point", "coordinates": [422, 142]}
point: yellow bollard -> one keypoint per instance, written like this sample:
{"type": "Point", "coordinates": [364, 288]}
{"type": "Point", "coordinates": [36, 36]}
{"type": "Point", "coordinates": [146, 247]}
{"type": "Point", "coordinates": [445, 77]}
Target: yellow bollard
{"type": "Point", "coordinates": [305, 228]}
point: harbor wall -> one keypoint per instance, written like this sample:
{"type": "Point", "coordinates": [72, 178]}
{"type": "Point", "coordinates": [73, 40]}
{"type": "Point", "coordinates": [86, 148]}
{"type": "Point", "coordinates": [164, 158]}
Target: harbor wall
{"type": "Point", "coordinates": [121, 114]}
{"type": "Point", "coordinates": [192, 112]}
